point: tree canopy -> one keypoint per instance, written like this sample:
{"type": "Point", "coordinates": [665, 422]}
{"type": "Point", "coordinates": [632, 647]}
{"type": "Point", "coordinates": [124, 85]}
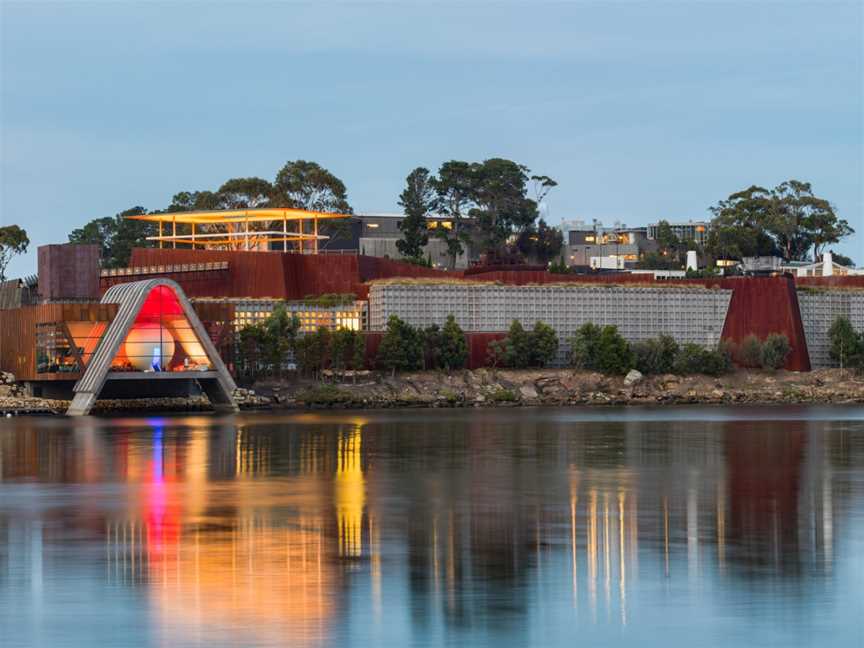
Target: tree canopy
{"type": "Point", "coordinates": [486, 203]}
{"type": "Point", "coordinates": [116, 236]}
{"type": "Point", "coordinates": [788, 221]}
{"type": "Point", "coordinates": [13, 241]}
{"type": "Point", "coordinates": [418, 200]}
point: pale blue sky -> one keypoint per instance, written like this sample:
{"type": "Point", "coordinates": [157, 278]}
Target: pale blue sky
{"type": "Point", "coordinates": [641, 110]}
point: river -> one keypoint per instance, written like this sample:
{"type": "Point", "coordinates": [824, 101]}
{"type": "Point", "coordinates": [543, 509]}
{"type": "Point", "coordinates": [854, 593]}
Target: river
{"type": "Point", "coordinates": [505, 527]}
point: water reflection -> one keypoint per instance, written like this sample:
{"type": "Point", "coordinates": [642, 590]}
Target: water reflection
{"type": "Point", "coordinates": [467, 527]}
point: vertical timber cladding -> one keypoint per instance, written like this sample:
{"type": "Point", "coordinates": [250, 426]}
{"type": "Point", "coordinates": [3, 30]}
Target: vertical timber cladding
{"type": "Point", "coordinates": [687, 313]}
{"type": "Point", "coordinates": [819, 308]}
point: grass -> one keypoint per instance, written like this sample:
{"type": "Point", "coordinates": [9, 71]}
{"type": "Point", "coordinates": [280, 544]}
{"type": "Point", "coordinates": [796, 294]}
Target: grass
{"type": "Point", "coordinates": [323, 395]}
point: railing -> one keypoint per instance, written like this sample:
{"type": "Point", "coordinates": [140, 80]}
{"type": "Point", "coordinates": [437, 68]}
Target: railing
{"type": "Point", "coordinates": [164, 269]}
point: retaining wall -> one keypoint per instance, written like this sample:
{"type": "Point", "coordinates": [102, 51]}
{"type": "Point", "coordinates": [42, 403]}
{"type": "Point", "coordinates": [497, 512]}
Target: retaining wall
{"type": "Point", "coordinates": [689, 314]}
{"type": "Point", "coordinates": [819, 309]}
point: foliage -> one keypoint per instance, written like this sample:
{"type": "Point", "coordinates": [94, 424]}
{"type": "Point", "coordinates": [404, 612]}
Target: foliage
{"type": "Point", "coordinates": [521, 349]}
{"type": "Point", "coordinates": [540, 242]}
{"type": "Point", "coordinates": [613, 353]}
{"type": "Point", "coordinates": [503, 395]}
{"type": "Point", "coordinates": [307, 185]}
{"type": "Point", "coordinates": [750, 351]}
{"type": "Point", "coordinates": [329, 300]}
{"type": "Point", "coordinates": [775, 351]}
{"type": "Point", "coordinates": [348, 349]}
{"type": "Point", "coordinates": [847, 344]}
{"type": "Point", "coordinates": [453, 349]}
{"type": "Point", "coordinates": [695, 359]}
{"type": "Point", "coordinates": [544, 344]}
{"type": "Point", "coordinates": [842, 259]}
{"type": "Point", "coordinates": [401, 347]}
{"type": "Point", "coordinates": [585, 347]}
{"type": "Point", "coordinates": [454, 189]}
{"type": "Point", "coordinates": [558, 267]}
{"type": "Point", "coordinates": [655, 356]}
{"type": "Point", "coordinates": [417, 200]}
{"type": "Point", "coordinates": [788, 220]}
{"type": "Point", "coordinates": [13, 241]}
{"type": "Point", "coordinates": [116, 236]}
{"type": "Point", "coordinates": [244, 193]}
{"type": "Point", "coordinates": [324, 394]}
{"type": "Point", "coordinates": [704, 273]}
{"type": "Point", "coordinates": [657, 261]}
{"type": "Point", "coordinates": [263, 347]}
{"type": "Point", "coordinates": [314, 351]}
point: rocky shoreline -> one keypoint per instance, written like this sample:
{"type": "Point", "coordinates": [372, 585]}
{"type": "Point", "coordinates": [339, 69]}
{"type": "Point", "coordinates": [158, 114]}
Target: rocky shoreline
{"type": "Point", "coordinates": [497, 388]}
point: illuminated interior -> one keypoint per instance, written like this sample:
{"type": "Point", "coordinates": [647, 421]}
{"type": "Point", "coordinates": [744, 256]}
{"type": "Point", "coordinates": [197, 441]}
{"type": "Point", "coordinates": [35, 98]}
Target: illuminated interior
{"type": "Point", "coordinates": [161, 339]}
{"type": "Point", "coordinates": [66, 347]}
{"type": "Point", "coordinates": [240, 229]}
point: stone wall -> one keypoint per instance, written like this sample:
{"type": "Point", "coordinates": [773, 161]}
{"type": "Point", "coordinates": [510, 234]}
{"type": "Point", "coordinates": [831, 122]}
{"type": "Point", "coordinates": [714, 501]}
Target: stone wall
{"type": "Point", "coordinates": [819, 309]}
{"type": "Point", "coordinates": [689, 314]}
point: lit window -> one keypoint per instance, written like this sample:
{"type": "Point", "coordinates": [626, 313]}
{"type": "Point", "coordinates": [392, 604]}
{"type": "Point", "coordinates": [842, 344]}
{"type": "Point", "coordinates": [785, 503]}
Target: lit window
{"type": "Point", "coordinates": [372, 225]}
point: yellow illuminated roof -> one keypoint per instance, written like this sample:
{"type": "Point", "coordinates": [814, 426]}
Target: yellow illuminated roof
{"type": "Point", "coordinates": [223, 216]}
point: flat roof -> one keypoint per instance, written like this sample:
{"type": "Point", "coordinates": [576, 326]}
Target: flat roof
{"type": "Point", "coordinates": [222, 216]}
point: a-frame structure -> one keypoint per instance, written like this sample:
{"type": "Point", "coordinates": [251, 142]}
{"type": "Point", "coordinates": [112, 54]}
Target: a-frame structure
{"type": "Point", "coordinates": [156, 335]}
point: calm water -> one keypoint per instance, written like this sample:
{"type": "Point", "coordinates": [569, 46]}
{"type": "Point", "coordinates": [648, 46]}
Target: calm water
{"type": "Point", "coordinates": [688, 527]}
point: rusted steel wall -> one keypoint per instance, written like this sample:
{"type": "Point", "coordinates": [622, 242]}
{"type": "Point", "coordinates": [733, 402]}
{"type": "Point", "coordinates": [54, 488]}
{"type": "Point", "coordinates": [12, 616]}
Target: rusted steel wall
{"type": "Point", "coordinates": [854, 281]}
{"type": "Point", "coordinates": [380, 268]}
{"type": "Point", "coordinates": [68, 271]}
{"type": "Point", "coordinates": [525, 277]}
{"type": "Point", "coordinates": [761, 306]}
{"type": "Point", "coordinates": [18, 333]}
{"type": "Point", "coordinates": [250, 274]}
{"type": "Point", "coordinates": [478, 347]}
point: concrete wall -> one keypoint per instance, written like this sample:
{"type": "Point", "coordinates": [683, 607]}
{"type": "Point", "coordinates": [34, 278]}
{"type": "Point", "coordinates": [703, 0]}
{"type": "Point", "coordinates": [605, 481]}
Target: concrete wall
{"type": "Point", "coordinates": [689, 314]}
{"type": "Point", "coordinates": [386, 247]}
{"type": "Point", "coordinates": [819, 309]}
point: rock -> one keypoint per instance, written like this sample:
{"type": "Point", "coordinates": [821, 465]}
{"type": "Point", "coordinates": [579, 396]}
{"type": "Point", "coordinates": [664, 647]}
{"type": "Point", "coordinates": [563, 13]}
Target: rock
{"type": "Point", "coordinates": [528, 392]}
{"type": "Point", "coordinates": [633, 377]}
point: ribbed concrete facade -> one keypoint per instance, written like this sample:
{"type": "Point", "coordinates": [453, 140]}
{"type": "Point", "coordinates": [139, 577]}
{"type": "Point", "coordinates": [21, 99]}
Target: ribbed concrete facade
{"type": "Point", "coordinates": [689, 314]}
{"type": "Point", "coordinates": [819, 309]}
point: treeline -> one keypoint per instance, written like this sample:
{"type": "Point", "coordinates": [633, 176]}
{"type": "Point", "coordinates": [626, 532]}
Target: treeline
{"type": "Point", "coordinates": [846, 344]}
{"type": "Point", "coordinates": [264, 348]}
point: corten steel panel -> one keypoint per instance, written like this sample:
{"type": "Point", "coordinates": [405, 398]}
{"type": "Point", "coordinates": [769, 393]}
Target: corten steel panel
{"type": "Point", "coordinates": [379, 268]}
{"type": "Point", "coordinates": [526, 277]}
{"type": "Point", "coordinates": [478, 347]}
{"type": "Point", "coordinates": [250, 274]}
{"type": "Point", "coordinates": [18, 334]}
{"type": "Point", "coordinates": [68, 271]}
{"type": "Point", "coordinates": [854, 281]}
{"type": "Point", "coordinates": [761, 306]}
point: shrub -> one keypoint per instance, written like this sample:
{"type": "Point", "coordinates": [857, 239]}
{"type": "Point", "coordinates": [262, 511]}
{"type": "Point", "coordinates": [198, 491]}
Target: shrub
{"type": "Point", "coordinates": [614, 355]}
{"type": "Point", "coordinates": [584, 347]}
{"type": "Point", "coordinates": [401, 347]}
{"type": "Point", "coordinates": [544, 344]}
{"type": "Point", "coordinates": [453, 348]}
{"type": "Point", "coordinates": [323, 395]}
{"type": "Point", "coordinates": [655, 356]}
{"type": "Point", "coordinates": [847, 345]}
{"type": "Point", "coordinates": [695, 359]}
{"type": "Point", "coordinates": [503, 395]}
{"type": "Point", "coordinates": [750, 351]}
{"type": "Point", "coordinates": [517, 346]}
{"type": "Point", "coordinates": [775, 351]}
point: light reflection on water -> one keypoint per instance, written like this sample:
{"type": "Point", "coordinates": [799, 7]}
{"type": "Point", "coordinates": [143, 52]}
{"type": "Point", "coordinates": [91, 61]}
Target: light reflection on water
{"type": "Point", "coordinates": [508, 527]}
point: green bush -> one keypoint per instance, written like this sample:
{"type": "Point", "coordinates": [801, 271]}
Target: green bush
{"type": "Point", "coordinates": [600, 349]}
{"type": "Point", "coordinates": [695, 359]}
{"type": "Point", "coordinates": [503, 395]}
{"type": "Point", "coordinates": [323, 395]}
{"type": "Point", "coordinates": [584, 347]}
{"type": "Point", "coordinates": [775, 351]}
{"type": "Point", "coordinates": [655, 356]}
{"type": "Point", "coordinates": [750, 351]}
{"type": "Point", "coordinates": [614, 356]}
{"type": "Point", "coordinates": [401, 347]}
{"type": "Point", "coordinates": [847, 345]}
{"type": "Point", "coordinates": [452, 348]}
{"type": "Point", "coordinates": [522, 349]}
{"type": "Point", "coordinates": [544, 344]}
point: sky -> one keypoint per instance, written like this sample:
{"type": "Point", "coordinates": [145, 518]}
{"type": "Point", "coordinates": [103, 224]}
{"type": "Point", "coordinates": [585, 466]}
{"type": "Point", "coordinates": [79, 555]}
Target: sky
{"type": "Point", "coordinates": [639, 110]}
